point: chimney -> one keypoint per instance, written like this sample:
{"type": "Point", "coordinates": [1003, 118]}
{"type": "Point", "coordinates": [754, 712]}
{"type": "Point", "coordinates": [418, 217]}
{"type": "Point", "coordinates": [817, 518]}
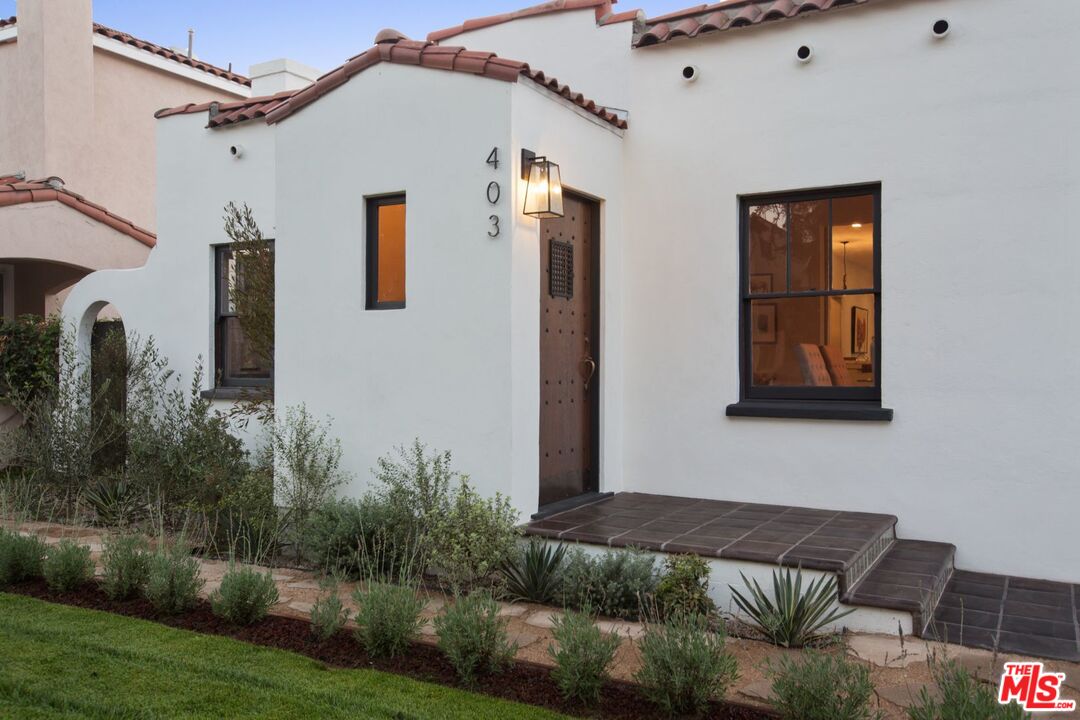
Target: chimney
{"type": "Point", "coordinates": [278, 75]}
{"type": "Point", "coordinates": [54, 78]}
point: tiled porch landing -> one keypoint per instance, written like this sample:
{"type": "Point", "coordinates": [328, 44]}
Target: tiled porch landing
{"type": "Point", "coordinates": [873, 567]}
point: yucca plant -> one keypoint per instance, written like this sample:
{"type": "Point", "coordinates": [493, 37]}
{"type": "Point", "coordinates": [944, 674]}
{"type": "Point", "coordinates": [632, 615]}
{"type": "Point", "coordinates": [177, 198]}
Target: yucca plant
{"type": "Point", "coordinates": [792, 617]}
{"type": "Point", "coordinates": [533, 575]}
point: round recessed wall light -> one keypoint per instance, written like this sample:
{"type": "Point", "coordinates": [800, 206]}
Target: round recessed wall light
{"type": "Point", "coordinates": [690, 73]}
{"type": "Point", "coordinates": [805, 53]}
{"type": "Point", "coordinates": [940, 28]}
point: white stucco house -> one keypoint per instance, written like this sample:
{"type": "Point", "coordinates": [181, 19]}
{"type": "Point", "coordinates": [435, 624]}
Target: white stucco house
{"type": "Point", "coordinates": [800, 256]}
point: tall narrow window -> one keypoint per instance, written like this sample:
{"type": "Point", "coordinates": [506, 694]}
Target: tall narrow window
{"type": "Point", "coordinates": [238, 365]}
{"type": "Point", "coordinates": [386, 252]}
{"type": "Point", "coordinates": [811, 296]}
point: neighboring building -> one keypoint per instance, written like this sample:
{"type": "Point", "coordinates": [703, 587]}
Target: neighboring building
{"type": "Point", "coordinates": [809, 269]}
{"type": "Point", "coordinates": [77, 146]}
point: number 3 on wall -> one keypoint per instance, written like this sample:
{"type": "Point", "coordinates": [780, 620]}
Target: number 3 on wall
{"type": "Point", "coordinates": [494, 231]}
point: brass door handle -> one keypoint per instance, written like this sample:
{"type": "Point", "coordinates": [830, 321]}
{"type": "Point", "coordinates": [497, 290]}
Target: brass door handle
{"type": "Point", "coordinates": [592, 370]}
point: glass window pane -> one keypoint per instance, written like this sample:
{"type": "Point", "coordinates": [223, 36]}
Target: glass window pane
{"type": "Point", "coordinates": [391, 254]}
{"type": "Point", "coordinates": [768, 248]}
{"type": "Point", "coordinates": [240, 361]}
{"type": "Point", "coordinates": [813, 341]}
{"type": "Point", "coordinates": [809, 243]}
{"type": "Point", "coordinates": [853, 243]}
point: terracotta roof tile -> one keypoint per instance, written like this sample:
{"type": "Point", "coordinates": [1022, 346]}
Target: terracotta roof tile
{"type": "Point", "coordinates": [14, 190]}
{"type": "Point", "coordinates": [603, 11]}
{"type": "Point", "coordinates": [158, 50]}
{"type": "Point", "coordinates": [229, 113]}
{"type": "Point", "coordinates": [700, 19]}
{"type": "Point", "coordinates": [168, 54]}
{"type": "Point", "coordinates": [395, 48]}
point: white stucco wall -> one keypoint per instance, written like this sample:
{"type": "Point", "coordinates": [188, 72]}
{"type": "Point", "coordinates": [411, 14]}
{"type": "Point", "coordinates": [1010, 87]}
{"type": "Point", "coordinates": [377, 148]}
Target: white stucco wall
{"type": "Point", "coordinates": [973, 141]}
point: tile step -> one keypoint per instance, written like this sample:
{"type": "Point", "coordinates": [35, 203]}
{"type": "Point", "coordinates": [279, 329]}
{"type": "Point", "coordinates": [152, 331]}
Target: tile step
{"type": "Point", "coordinates": [910, 575]}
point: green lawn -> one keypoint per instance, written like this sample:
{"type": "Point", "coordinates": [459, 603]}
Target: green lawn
{"type": "Point", "coordinates": [63, 662]}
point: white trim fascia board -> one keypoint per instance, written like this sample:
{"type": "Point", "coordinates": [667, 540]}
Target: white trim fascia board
{"type": "Point", "coordinates": [9, 33]}
{"type": "Point", "coordinates": [556, 97]}
{"type": "Point", "coordinates": [141, 56]}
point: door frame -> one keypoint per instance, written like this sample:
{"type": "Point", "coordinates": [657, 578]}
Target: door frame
{"type": "Point", "coordinates": [592, 482]}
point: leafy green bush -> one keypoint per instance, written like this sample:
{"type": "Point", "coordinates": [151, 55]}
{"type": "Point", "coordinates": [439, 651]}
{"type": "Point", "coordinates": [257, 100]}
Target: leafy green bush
{"type": "Point", "coordinates": [416, 488]}
{"type": "Point", "coordinates": [126, 564]}
{"type": "Point", "coordinates": [328, 614]}
{"type": "Point", "coordinates": [245, 595]}
{"type": "Point", "coordinates": [962, 698]}
{"type": "Point", "coordinates": [21, 557]}
{"type": "Point", "coordinates": [67, 566]}
{"type": "Point", "coordinates": [684, 664]}
{"type": "Point", "coordinates": [342, 533]}
{"type": "Point", "coordinates": [791, 618]}
{"type": "Point", "coordinates": [532, 572]}
{"type": "Point", "coordinates": [173, 582]}
{"type": "Point", "coordinates": [582, 656]}
{"type": "Point", "coordinates": [684, 586]}
{"type": "Point", "coordinates": [472, 538]}
{"type": "Point", "coordinates": [388, 618]}
{"type": "Point", "coordinates": [822, 687]}
{"type": "Point", "coordinates": [28, 355]}
{"type": "Point", "coordinates": [473, 636]}
{"type": "Point", "coordinates": [618, 583]}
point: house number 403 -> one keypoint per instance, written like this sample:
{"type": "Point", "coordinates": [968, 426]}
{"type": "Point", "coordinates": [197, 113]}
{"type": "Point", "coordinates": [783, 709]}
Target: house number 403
{"type": "Point", "coordinates": [494, 192]}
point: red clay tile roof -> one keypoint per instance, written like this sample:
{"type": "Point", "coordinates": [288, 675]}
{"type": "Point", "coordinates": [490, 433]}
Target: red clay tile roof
{"type": "Point", "coordinates": [15, 191]}
{"type": "Point", "coordinates": [170, 54]}
{"type": "Point", "coordinates": [604, 16]}
{"type": "Point", "coordinates": [156, 49]}
{"type": "Point", "coordinates": [392, 46]}
{"type": "Point", "coordinates": [700, 19]}
{"type": "Point", "coordinates": [230, 113]}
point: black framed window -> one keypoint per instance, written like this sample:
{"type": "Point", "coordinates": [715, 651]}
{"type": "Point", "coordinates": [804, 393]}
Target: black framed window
{"type": "Point", "coordinates": [237, 365]}
{"type": "Point", "coordinates": [386, 252]}
{"type": "Point", "coordinates": [810, 296]}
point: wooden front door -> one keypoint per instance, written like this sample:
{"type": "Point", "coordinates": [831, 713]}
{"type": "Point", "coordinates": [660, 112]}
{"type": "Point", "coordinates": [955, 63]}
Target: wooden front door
{"type": "Point", "coordinates": [569, 351]}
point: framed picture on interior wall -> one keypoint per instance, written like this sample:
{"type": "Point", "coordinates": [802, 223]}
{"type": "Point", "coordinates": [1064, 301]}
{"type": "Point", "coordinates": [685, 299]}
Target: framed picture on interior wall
{"type": "Point", "coordinates": [860, 330]}
{"type": "Point", "coordinates": [763, 322]}
{"type": "Point", "coordinates": [760, 283]}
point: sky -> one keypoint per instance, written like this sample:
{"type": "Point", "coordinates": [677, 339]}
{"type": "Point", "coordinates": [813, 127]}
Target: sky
{"type": "Point", "coordinates": [321, 33]}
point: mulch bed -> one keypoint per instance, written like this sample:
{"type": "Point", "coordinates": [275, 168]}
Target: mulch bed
{"type": "Point", "coordinates": [524, 682]}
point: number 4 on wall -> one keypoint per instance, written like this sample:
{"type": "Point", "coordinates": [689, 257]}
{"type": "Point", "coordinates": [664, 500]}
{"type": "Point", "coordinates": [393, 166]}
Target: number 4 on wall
{"type": "Point", "coordinates": [493, 158]}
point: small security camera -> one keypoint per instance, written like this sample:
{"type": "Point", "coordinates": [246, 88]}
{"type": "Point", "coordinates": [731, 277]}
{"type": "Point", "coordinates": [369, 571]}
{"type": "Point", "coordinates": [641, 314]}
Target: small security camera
{"type": "Point", "coordinates": [804, 54]}
{"type": "Point", "coordinates": [237, 151]}
{"type": "Point", "coordinates": [940, 28]}
{"type": "Point", "coordinates": [690, 73]}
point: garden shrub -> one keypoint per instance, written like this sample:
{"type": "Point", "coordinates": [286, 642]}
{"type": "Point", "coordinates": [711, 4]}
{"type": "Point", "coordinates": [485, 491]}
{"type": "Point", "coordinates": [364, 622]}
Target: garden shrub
{"type": "Point", "coordinates": [684, 664]}
{"type": "Point", "coordinates": [684, 586]}
{"type": "Point", "coordinates": [473, 636]}
{"type": "Point", "coordinates": [306, 464]}
{"type": "Point", "coordinates": [328, 614]}
{"type": "Point", "coordinates": [244, 596]}
{"type": "Point", "coordinates": [28, 355]}
{"type": "Point", "coordinates": [67, 566]}
{"type": "Point", "coordinates": [962, 698]}
{"type": "Point", "coordinates": [173, 582]}
{"type": "Point", "coordinates": [126, 564]}
{"type": "Point", "coordinates": [792, 617]}
{"type": "Point", "coordinates": [533, 572]}
{"type": "Point", "coordinates": [246, 526]}
{"type": "Point", "coordinates": [387, 618]}
{"type": "Point", "coordinates": [582, 656]}
{"type": "Point", "coordinates": [416, 488]}
{"type": "Point", "coordinates": [21, 557]}
{"type": "Point", "coordinates": [818, 686]}
{"type": "Point", "coordinates": [618, 583]}
{"type": "Point", "coordinates": [341, 532]}
{"type": "Point", "coordinates": [472, 538]}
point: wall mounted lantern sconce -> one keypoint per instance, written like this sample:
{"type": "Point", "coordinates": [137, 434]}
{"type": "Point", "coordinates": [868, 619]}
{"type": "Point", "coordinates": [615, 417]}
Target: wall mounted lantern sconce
{"type": "Point", "coordinates": [543, 193]}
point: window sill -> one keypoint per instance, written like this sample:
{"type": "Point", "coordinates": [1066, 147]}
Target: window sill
{"type": "Point", "coordinates": [804, 410]}
{"type": "Point", "coordinates": [243, 392]}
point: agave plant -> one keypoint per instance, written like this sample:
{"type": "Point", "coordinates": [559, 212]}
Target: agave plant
{"type": "Point", "coordinates": [792, 617]}
{"type": "Point", "coordinates": [533, 574]}
{"type": "Point", "coordinates": [113, 500]}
